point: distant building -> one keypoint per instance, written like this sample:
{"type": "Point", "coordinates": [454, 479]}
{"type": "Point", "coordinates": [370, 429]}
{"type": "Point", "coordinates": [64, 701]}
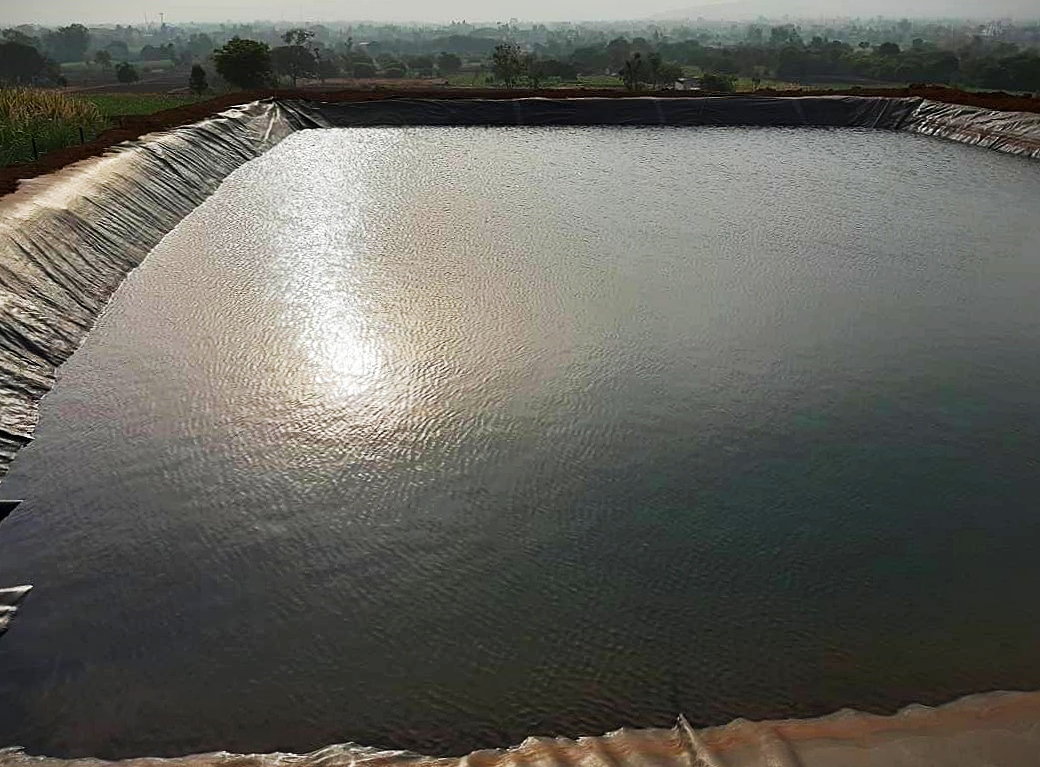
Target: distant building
{"type": "Point", "coordinates": [687, 84]}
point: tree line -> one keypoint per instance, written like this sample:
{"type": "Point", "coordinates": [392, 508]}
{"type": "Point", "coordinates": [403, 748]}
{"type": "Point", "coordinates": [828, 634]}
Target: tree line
{"type": "Point", "coordinates": [897, 51]}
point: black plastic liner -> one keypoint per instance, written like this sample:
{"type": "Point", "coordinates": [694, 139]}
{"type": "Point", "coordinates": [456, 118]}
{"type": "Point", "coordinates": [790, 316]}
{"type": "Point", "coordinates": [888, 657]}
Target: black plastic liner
{"type": "Point", "coordinates": [824, 112]}
{"type": "Point", "coordinates": [997, 730]}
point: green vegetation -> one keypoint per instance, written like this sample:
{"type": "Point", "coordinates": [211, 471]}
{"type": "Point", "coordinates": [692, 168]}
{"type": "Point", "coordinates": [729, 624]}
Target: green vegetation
{"type": "Point", "coordinates": [244, 63]}
{"type": "Point", "coordinates": [49, 118]}
{"type": "Point", "coordinates": [507, 63]}
{"type": "Point", "coordinates": [115, 104]}
{"type": "Point", "coordinates": [866, 51]}
{"type": "Point", "coordinates": [127, 73]}
{"type": "Point", "coordinates": [295, 60]}
{"type": "Point", "coordinates": [198, 83]}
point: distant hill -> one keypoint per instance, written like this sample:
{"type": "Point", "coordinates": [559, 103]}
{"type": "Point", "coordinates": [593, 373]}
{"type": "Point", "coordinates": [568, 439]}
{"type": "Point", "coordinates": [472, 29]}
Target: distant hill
{"type": "Point", "coordinates": [739, 10]}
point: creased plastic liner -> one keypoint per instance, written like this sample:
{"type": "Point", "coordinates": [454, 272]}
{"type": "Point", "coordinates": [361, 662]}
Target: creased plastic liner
{"type": "Point", "coordinates": [995, 730]}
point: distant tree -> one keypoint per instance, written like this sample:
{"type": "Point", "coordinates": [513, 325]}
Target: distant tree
{"type": "Point", "coordinates": [888, 49]}
{"type": "Point", "coordinates": [294, 62]}
{"type": "Point", "coordinates": [653, 68]}
{"type": "Point", "coordinates": [619, 50]}
{"type": "Point", "coordinates": [784, 35]}
{"type": "Point", "coordinates": [244, 63]}
{"type": "Point", "coordinates": [668, 74]}
{"type": "Point", "coordinates": [508, 63]}
{"type": "Point", "coordinates": [118, 50]}
{"type": "Point", "coordinates": [449, 64]}
{"type": "Point", "coordinates": [421, 65]}
{"type": "Point", "coordinates": [363, 68]}
{"type": "Point", "coordinates": [297, 37]}
{"type": "Point", "coordinates": [633, 73]}
{"type": "Point", "coordinates": [103, 59]}
{"type": "Point", "coordinates": [197, 82]}
{"type": "Point", "coordinates": [660, 73]}
{"type": "Point", "coordinates": [328, 65]}
{"type": "Point", "coordinates": [755, 35]}
{"type": "Point", "coordinates": [714, 82]}
{"type": "Point", "coordinates": [294, 59]}
{"type": "Point", "coordinates": [158, 52]}
{"type": "Point", "coordinates": [592, 59]}
{"type": "Point", "coordinates": [21, 64]}
{"type": "Point", "coordinates": [200, 45]}
{"type": "Point", "coordinates": [539, 70]}
{"type": "Point", "coordinates": [17, 36]}
{"type": "Point", "coordinates": [68, 43]}
{"type": "Point", "coordinates": [535, 71]}
{"type": "Point", "coordinates": [127, 73]}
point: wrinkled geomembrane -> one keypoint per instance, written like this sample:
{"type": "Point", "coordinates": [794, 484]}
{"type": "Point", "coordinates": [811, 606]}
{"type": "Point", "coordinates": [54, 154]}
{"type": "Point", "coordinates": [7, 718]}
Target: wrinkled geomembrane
{"type": "Point", "coordinates": [996, 730]}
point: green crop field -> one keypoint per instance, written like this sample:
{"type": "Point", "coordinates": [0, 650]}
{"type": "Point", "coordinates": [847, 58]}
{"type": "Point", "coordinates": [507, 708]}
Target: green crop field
{"type": "Point", "coordinates": [113, 104]}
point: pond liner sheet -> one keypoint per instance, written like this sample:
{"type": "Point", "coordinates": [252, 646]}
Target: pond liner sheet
{"type": "Point", "coordinates": [69, 239]}
{"type": "Point", "coordinates": [996, 730]}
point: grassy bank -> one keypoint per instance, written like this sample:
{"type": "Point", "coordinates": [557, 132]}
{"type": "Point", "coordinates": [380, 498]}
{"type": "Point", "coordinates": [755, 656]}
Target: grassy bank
{"type": "Point", "coordinates": [118, 104]}
{"type": "Point", "coordinates": [34, 121]}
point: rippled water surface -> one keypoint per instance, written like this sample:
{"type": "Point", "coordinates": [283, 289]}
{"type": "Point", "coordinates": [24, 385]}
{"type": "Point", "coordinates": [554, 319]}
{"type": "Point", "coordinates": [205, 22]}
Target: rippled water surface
{"type": "Point", "coordinates": [436, 438]}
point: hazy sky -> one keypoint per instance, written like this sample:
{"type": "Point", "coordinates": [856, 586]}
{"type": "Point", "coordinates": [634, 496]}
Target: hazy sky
{"type": "Point", "coordinates": [124, 11]}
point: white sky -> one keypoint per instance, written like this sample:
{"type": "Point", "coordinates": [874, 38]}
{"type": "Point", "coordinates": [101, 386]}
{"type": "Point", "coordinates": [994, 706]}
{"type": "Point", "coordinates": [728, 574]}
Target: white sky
{"type": "Point", "coordinates": [124, 11]}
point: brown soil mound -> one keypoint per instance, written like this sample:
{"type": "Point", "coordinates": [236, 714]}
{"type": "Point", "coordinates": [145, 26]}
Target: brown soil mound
{"type": "Point", "coordinates": [130, 128]}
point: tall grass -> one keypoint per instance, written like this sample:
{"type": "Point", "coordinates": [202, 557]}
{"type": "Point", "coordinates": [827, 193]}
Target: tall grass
{"type": "Point", "coordinates": [52, 118]}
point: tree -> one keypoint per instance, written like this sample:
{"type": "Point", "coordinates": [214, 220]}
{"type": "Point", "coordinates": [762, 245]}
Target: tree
{"type": "Point", "coordinates": [21, 64]}
{"type": "Point", "coordinates": [713, 82]}
{"type": "Point", "coordinates": [200, 45]}
{"type": "Point", "coordinates": [619, 51]}
{"type": "Point", "coordinates": [328, 65]}
{"type": "Point", "coordinates": [118, 50]}
{"type": "Point", "coordinates": [508, 63]}
{"type": "Point", "coordinates": [653, 68]}
{"type": "Point", "coordinates": [633, 73]}
{"type": "Point", "coordinates": [421, 65]}
{"type": "Point", "coordinates": [660, 73]}
{"type": "Point", "coordinates": [127, 73]}
{"type": "Point", "coordinates": [449, 64]}
{"type": "Point", "coordinates": [244, 63]}
{"type": "Point", "coordinates": [363, 68]}
{"type": "Point", "coordinates": [294, 62]}
{"type": "Point", "coordinates": [68, 43]}
{"type": "Point", "coordinates": [158, 53]}
{"type": "Point", "coordinates": [17, 36]}
{"type": "Point", "coordinates": [784, 35]}
{"type": "Point", "coordinates": [888, 49]}
{"type": "Point", "coordinates": [297, 37]}
{"type": "Point", "coordinates": [535, 71]}
{"type": "Point", "coordinates": [197, 82]}
{"type": "Point", "coordinates": [103, 59]}
{"type": "Point", "coordinates": [668, 74]}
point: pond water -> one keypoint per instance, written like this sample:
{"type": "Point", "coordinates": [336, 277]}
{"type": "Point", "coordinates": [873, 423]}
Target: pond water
{"type": "Point", "coordinates": [437, 438]}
